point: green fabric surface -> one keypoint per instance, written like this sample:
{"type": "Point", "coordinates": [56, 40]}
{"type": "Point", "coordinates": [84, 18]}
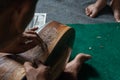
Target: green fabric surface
{"type": "Point", "coordinates": [102, 41]}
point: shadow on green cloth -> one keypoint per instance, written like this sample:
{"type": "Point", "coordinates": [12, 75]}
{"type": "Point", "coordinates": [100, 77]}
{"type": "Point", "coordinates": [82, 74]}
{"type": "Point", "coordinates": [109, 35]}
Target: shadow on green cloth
{"type": "Point", "coordinates": [87, 71]}
{"type": "Point", "coordinates": [102, 41]}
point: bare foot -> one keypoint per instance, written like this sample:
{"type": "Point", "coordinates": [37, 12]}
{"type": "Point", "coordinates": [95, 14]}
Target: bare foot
{"type": "Point", "coordinates": [73, 67]}
{"type": "Point", "coordinates": [115, 4]}
{"type": "Point", "coordinates": [93, 9]}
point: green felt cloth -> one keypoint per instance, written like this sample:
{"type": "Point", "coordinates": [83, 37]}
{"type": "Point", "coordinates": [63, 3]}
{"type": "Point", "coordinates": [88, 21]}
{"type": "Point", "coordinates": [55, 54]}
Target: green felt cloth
{"type": "Point", "coordinates": [102, 41]}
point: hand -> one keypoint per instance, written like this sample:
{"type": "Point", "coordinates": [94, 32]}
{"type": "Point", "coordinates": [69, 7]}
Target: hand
{"type": "Point", "coordinates": [70, 73]}
{"type": "Point", "coordinates": [23, 42]}
{"type": "Point", "coordinates": [39, 73]}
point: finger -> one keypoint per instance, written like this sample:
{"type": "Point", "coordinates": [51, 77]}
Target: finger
{"type": "Point", "coordinates": [30, 36]}
{"type": "Point", "coordinates": [28, 66]}
{"type": "Point", "coordinates": [31, 40]}
{"type": "Point", "coordinates": [34, 29]}
{"type": "Point", "coordinates": [36, 39]}
{"type": "Point", "coordinates": [42, 67]}
{"type": "Point", "coordinates": [29, 32]}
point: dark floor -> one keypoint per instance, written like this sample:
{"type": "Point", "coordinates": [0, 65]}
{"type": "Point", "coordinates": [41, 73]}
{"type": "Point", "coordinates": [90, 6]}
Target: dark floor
{"type": "Point", "coordinates": [72, 11]}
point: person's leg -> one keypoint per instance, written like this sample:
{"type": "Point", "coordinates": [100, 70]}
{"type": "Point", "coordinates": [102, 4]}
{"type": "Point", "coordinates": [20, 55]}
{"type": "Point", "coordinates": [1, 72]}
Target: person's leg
{"type": "Point", "coordinates": [93, 9]}
{"type": "Point", "coordinates": [115, 4]}
{"type": "Point", "coordinates": [42, 72]}
{"type": "Point", "coordinates": [73, 67]}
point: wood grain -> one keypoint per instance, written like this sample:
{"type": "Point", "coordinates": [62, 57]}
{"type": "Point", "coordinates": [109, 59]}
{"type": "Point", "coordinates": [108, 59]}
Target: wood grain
{"type": "Point", "coordinates": [58, 41]}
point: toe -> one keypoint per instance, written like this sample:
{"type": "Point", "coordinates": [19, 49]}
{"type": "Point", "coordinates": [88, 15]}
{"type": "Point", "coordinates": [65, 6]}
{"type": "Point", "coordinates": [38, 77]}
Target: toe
{"type": "Point", "coordinates": [117, 16]}
{"type": "Point", "coordinates": [88, 11]}
{"type": "Point", "coordinates": [117, 19]}
{"type": "Point", "coordinates": [116, 9]}
{"type": "Point", "coordinates": [94, 13]}
{"type": "Point", "coordinates": [75, 65]}
{"type": "Point", "coordinates": [80, 58]}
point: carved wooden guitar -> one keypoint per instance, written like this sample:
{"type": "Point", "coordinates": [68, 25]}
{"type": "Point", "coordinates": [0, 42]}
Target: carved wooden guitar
{"type": "Point", "coordinates": [56, 42]}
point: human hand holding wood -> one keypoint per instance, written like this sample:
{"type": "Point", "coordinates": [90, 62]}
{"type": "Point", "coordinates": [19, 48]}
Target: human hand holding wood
{"type": "Point", "coordinates": [23, 42]}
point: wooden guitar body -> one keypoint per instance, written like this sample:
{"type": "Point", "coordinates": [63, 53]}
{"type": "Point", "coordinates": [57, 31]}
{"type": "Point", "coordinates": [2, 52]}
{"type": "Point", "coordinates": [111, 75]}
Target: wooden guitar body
{"type": "Point", "coordinates": [54, 52]}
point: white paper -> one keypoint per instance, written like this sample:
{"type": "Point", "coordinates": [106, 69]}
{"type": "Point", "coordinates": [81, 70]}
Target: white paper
{"type": "Point", "coordinates": [38, 20]}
